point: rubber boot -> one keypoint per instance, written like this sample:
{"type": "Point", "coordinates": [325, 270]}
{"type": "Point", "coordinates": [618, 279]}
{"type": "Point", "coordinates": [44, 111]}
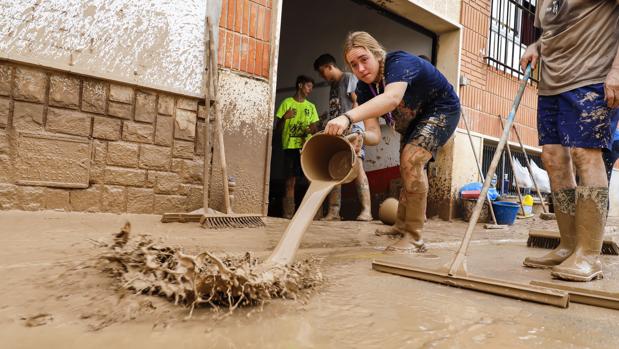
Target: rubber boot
{"type": "Point", "coordinates": [584, 263]}
{"type": "Point", "coordinates": [565, 208]}
{"type": "Point", "coordinates": [366, 206]}
{"type": "Point", "coordinates": [335, 199]}
{"type": "Point", "coordinates": [288, 206]}
{"type": "Point", "coordinates": [410, 223]}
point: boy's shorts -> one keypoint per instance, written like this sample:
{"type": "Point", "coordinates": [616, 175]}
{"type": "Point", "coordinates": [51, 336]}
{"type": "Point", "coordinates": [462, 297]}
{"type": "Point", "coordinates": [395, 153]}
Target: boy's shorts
{"type": "Point", "coordinates": [576, 118]}
{"type": "Point", "coordinates": [292, 162]}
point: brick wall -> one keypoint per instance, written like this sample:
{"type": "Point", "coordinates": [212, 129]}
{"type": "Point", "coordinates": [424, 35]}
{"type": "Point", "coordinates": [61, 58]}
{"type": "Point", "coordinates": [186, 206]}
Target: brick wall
{"type": "Point", "coordinates": [145, 151]}
{"type": "Point", "coordinates": [490, 92]}
{"type": "Point", "coordinates": [245, 36]}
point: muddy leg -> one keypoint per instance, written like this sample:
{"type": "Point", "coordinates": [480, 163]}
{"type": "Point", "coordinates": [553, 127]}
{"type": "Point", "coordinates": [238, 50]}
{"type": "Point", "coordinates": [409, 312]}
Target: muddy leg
{"type": "Point", "coordinates": [558, 162]}
{"type": "Point", "coordinates": [591, 207]}
{"type": "Point", "coordinates": [335, 200]}
{"type": "Point", "coordinates": [414, 197]}
{"type": "Point", "coordinates": [288, 204]}
{"type": "Point", "coordinates": [363, 191]}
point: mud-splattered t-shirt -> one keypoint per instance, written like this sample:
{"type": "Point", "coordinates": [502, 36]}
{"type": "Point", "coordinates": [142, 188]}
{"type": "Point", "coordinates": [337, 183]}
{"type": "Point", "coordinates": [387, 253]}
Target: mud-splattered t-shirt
{"type": "Point", "coordinates": [295, 129]}
{"type": "Point", "coordinates": [578, 43]}
{"type": "Point", "coordinates": [428, 90]}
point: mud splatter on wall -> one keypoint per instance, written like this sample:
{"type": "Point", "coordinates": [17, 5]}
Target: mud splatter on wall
{"type": "Point", "coordinates": [150, 43]}
{"type": "Point", "coordinates": [246, 121]}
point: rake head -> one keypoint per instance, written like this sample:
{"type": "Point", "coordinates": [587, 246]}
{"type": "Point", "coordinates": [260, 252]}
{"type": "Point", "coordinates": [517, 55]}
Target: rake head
{"type": "Point", "coordinates": [231, 221]}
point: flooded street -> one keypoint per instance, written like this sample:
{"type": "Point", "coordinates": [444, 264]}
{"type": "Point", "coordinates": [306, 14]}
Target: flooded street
{"type": "Point", "coordinates": [53, 297]}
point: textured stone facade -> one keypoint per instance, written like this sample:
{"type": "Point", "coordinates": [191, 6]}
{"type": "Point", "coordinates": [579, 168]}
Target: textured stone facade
{"type": "Point", "coordinates": [143, 143]}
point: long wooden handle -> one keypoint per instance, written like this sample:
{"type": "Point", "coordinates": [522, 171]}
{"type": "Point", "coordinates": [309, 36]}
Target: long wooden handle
{"type": "Point", "coordinates": [481, 174]}
{"type": "Point", "coordinates": [458, 263]}
{"type": "Point", "coordinates": [511, 163]}
{"type": "Point", "coordinates": [218, 122]}
{"type": "Point", "coordinates": [206, 87]}
{"type": "Point", "coordinates": [528, 163]}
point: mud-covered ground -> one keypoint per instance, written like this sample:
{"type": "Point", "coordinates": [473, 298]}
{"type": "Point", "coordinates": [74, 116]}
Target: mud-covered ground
{"type": "Point", "coordinates": [54, 297]}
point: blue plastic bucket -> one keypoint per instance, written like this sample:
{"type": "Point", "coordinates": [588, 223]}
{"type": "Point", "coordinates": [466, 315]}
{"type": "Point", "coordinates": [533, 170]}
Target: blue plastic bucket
{"type": "Point", "coordinates": [505, 212]}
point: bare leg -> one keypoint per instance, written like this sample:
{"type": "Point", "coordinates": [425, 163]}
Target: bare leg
{"type": "Point", "coordinates": [363, 191]}
{"type": "Point", "coordinates": [335, 202]}
{"type": "Point", "coordinates": [289, 204]}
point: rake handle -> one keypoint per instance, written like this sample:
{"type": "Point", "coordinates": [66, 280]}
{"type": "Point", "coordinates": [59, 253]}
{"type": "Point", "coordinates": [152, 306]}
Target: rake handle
{"type": "Point", "coordinates": [481, 174]}
{"type": "Point", "coordinates": [511, 163]}
{"type": "Point", "coordinates": [526, 160]}
{"type": "Point", "coordinates": [458, 262]}
{"type": "Point", "coordinates": [218, 122]}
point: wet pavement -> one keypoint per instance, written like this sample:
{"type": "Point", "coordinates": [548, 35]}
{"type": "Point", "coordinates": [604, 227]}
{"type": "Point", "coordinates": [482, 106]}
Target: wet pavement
{"type": "Point", "coordinates": [44, 265]}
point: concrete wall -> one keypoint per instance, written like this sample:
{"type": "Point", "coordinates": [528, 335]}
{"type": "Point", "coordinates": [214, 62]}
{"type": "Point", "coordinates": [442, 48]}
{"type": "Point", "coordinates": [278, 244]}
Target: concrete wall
{"type": "Point", "coordinates": [150, 43]}
{"type": "Point", "coordinates": [89, 117]}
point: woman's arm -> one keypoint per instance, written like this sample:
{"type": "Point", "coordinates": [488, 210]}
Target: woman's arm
{"type": "Point", "coordinates": [375, 107]}
{"type": "Point", "coordinates": [372, 133]}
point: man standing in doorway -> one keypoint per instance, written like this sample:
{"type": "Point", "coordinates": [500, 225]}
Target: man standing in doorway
{"type": "Point", "coordinates": [578, 97]}
{"type": "Point", "coordinates": [296, 119]}
{"type": "Point", "coordinates": [342, 98]}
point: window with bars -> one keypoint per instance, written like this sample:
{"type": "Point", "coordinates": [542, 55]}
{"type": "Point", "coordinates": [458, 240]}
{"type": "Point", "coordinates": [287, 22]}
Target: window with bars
{"type": "Point", "coordinates": [511, 31]}
{"type": "Point", "coordinates": [504, 174]}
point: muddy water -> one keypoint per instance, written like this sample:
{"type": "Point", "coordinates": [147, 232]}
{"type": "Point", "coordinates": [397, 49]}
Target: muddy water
{"type": "Point", "coordinates": [287, 247]}
{"type": "Point", "coordinates": [355, 307]}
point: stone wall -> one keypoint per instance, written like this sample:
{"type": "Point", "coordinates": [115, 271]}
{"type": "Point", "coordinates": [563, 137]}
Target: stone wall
{"type": "Point", "coordinates": [80, 144]}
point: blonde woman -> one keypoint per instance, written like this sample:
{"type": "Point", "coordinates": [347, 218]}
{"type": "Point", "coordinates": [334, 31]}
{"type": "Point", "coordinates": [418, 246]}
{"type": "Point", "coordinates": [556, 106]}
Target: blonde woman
{"type": "Point", "coordinates": [418, 102]}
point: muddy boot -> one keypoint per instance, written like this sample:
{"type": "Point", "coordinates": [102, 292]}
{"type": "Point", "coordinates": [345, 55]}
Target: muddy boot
{"type": "Point", "coordinates": [366, 206]}
{"type": "Point", "coordinates": [565, 208]}
{"type": "Point", "coordinates": [410, 224]}
{"type": "Point", "coordinates": [335, 199]}
{"type": "Point", "coordinates": [584, 264]}
{"type": "Point", "coordinates": [288, 207]}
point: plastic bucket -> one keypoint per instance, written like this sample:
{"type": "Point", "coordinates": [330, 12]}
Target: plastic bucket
{"type": "Point", "coordinates": [505, 212]}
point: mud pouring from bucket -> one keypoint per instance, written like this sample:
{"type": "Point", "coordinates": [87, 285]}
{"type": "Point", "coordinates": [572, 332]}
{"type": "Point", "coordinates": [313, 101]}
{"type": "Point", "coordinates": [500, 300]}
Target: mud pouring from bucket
{"type": "Point", "coordinates": [326, 161]}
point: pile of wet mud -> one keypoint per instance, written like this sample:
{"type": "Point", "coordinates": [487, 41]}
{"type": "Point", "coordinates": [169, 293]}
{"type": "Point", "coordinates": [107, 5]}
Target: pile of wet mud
{"type": "Point", "coordinates": [149, 267]}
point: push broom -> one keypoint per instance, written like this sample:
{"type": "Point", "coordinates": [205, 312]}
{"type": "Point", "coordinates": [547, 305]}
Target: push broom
{"type": "Point", "coordinates": [455, 273]}
{"type": "Point", "coordinates": [207, 217]}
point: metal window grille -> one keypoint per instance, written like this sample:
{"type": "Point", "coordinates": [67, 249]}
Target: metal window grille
{"type": "Point", "coordinates": [504, 174]}
{"type": "Point", "coordinates": [511, 31]}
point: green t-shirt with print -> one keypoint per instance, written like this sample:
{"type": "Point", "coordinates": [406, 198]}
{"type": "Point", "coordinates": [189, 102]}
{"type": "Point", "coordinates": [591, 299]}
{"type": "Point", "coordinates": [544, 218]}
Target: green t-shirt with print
{"type": "Point", "coordinates": [296, 129]}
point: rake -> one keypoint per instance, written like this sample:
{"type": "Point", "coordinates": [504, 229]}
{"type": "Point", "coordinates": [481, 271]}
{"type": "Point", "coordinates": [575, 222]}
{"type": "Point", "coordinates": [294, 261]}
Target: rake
{"type": "Point", "coordinates": [455, 274]}
{"type": "Point", "coordinates": [207, 217]}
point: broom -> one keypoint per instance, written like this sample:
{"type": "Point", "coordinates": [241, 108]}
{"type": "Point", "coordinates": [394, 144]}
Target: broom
{"type": "Point", "coordinates": [550, 239]}
{"type": "Point", "coordinates": [207, 217]}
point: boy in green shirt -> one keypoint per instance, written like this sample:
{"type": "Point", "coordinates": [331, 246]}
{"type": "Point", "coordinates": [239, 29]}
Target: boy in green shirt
{"type": "Point", "coordinates": [296, 119]}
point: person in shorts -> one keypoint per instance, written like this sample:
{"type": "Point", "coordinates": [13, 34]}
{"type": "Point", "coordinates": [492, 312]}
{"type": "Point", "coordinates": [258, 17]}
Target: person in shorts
{"type": "Point", "coordinates": [342, 98]}
{"type": "Point", "coordinates": [417, 101]}
{"type": "Point", "coordinates": [296, 119]}
{"type": "Point", "coordinates": [578, 96]}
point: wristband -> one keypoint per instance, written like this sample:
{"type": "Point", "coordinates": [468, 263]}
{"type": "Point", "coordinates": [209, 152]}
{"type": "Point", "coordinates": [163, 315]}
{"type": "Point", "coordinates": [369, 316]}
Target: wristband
{"type": "Point", "coordinates": [349, 119]}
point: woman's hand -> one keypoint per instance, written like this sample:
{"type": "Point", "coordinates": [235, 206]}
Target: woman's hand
{"type": "Point", "coordinates": [337, 126]}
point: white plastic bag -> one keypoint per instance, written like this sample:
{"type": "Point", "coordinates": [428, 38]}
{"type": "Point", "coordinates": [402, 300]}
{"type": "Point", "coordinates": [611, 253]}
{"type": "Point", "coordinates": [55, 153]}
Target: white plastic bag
{"type": "Point", "coordinates": [521, 175]}
{"type": "Point", "coordinates": [541, 178]}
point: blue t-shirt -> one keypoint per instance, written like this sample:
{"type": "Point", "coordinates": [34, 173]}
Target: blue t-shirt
{"type": "Point", "coordinates": [616, 137]}
{"type": "Point", "coordinates": [428, 90]}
